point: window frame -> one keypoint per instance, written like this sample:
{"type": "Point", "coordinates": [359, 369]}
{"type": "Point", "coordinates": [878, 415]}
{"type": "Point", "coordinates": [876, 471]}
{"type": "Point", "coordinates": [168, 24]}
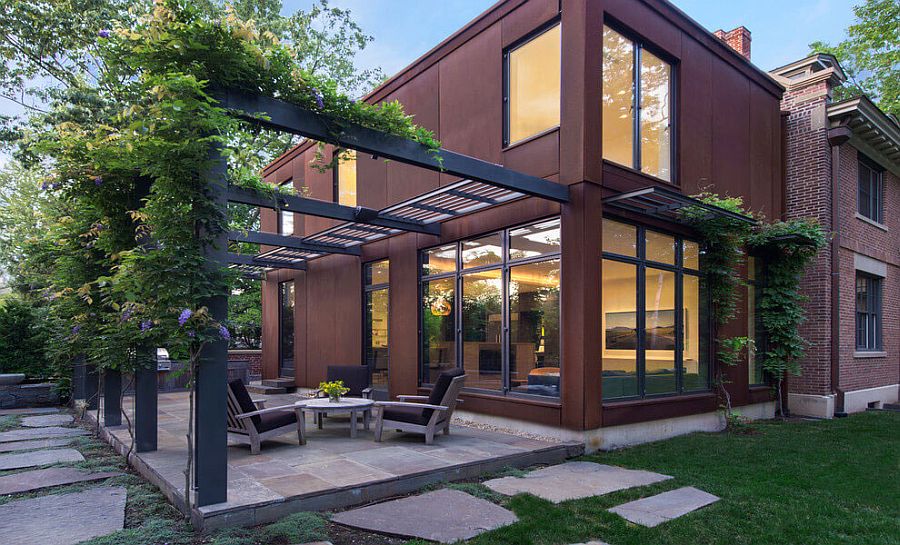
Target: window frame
{"type": "Point", "coordinates": [641, 263]}
{"type": "Point", "coordinates": [638, 46]}
{"type": "Point", "coordinates": [873, 316]}
{"type": "Point", "coordinates": [875, 188]}
{"type": "Point", "coordinates": [504, 266]}
{"type": "Point", "coordinates": [507, 51]}
{"type": "Point", "coordinates": [366, 290]}
{"type": "Point", "coordinates": [281, 314]}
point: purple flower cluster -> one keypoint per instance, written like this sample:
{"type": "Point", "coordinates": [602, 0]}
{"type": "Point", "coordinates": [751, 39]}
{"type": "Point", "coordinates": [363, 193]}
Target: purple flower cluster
{"type": "Point", "coordinates": [320, 100]}
{"type": "Point", "coordinates": [98, 181]}
{"type": "Point", "coordinates": [103, 33]}
{"type": "Point", "coordinates": [184, 316]}
{"type": "Point", "coordinates": [223, 332]}
{"type": "Point", "coordinates": [47, 186]}
{"type": "Point", "coordinates": [146, 325]}
{"type": "Point", "coordinates": [126, 315]}
{"type": "Point", "coordinates": [76, 329]}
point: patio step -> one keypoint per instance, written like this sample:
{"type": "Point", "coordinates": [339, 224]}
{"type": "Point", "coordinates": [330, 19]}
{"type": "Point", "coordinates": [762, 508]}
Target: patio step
{"type": "Point", "coordinates": [280, 382]}
{"type": "Point", "coordinates": [266, 390]}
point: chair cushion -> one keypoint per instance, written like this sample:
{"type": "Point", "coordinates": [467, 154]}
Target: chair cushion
{"type": "Point", "coordinates": [409, 415]}
{"type": "Point", "coordinates": [274, 420]}
{"type": "Point", "coordinates": [355, 377]}
{"type": "Point", "coordinates": [245, 402]}
{"type": "Point", "coordinates": [440, 388]}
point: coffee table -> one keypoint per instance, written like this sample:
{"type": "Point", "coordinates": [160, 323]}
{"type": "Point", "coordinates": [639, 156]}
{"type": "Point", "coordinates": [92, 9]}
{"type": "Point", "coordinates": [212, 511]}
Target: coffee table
{"type": "Point", "coordinates": [321, 406]}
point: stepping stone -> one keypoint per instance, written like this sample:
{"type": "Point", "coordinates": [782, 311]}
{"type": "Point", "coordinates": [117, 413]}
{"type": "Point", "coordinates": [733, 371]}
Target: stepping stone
{"type": "Point", "coordinates": [39, 458]}
{"type": "Point", "coordinates": [574, 480]}
{"type": "Point", "coordinates": [664, 507]}
{"type": "Point", "coordinates": [43, 478]}
{"type": "Point", "coordinates": [64, 519]}
{"type": "Point", "coordinates": [47, 420]}
{"type": "Point", "coordinates": [34, 444]}
{"type": "Point", "coordinates": [40, 433]}
{"type": "Point", "coordinates": [29, 410]}
{"type": "Point", "coordinates": [592, 543]}
{"type": "Point", "coordinates": [444, 515]}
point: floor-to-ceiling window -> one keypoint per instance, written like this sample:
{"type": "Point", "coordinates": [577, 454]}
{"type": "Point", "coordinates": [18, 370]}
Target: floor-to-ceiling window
{"type": "Point", "coordinates": [376, 277]}
{"type": "Point", "coordinates": [508, 320]}
{"type": "Point", "coordinates": [654, 314]}
{"type": "Point", "coordinates": [286, 329]}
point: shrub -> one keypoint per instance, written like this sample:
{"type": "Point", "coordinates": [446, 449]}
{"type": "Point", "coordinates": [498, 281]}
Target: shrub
{"type": "Point", "coordinates": [23, 339]}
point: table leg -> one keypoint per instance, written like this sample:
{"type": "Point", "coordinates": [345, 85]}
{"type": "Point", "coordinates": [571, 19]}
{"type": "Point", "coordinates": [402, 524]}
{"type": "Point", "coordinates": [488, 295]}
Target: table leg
{"type": "Point", "coordinates": [319, 419]}
{"type": "Point", "coordinates": [367, 414]}
{"type": "Point", "coordinates": [353, 424]}
{"type": "Point", "coordinates": [301, 426]}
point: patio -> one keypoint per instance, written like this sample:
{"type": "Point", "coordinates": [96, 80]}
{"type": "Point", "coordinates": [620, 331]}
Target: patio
{"type": "Point", "coordinates": [332, 470]}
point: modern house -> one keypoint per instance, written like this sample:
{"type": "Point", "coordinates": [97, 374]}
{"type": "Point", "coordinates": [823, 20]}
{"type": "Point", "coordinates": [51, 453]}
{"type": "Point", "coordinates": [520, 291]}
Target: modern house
{"type": "Point", "coordinates": [843, 168]}
{"type": "Point", "coordinates": [582, 319]}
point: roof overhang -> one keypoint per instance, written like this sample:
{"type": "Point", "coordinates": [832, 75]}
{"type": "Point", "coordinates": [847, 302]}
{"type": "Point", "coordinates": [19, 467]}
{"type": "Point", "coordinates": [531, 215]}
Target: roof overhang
{"type": "Point", "coordinates": [664, 204]}
{"type": "Point", "coordinates": [872, 131]}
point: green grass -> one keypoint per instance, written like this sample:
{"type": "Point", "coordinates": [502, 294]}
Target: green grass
{"type": "Point", "coordinates": [9, 422]}
{"type": "Point", "coordinates": [800, 482]}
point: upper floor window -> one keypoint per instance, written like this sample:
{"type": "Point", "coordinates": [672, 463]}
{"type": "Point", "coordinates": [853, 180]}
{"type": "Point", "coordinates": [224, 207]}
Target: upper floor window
{"type": "Point", "coordinates": [869, 195]}
{"type": "Point", "coordinates": [533, 82]}
{"type": "Point", "coordinates": [345, 178]}
{"type": "Point", "coordinates": [286, 218]}
{"type": "Point", "coordinates": [868, 312]}
{"type": "Point", "coordinates": [637, 106]}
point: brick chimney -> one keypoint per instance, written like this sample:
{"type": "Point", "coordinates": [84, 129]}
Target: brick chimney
{"type": "Point", "coordinates": [738, 39]}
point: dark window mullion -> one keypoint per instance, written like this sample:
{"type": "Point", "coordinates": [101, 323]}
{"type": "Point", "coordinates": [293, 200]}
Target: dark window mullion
{"type": "Point", "coordinates": [679, 319]}
{"type": "Point", "coordinates": [636, 148]}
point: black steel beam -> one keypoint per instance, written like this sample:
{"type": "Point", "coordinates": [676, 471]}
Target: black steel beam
{"type": "Point", "coordinates": [325, 209]}
{"type": "Point", "coordinates": [210, 415]}
{"type": "Point", "coordinates": [294, 243]}
{"type": "Point", "coordinates": [145, 408]}
{"type": "Point", "coordinates": [112, 397]}
{"type": "Point", "coordinates": [253, 261]}
{"type": "Point", "coordinates": [286, 117]}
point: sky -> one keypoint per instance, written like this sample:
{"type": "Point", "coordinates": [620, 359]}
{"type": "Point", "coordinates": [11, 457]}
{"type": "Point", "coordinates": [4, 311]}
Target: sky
{"type": "Point", "coordinates": [405, 29]}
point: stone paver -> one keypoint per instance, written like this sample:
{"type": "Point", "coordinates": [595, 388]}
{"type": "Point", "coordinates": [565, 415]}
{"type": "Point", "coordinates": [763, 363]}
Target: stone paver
{"type": "Point", "coordinates": [39, 458]}
{"type": "Point", "coordinates": [34, 444]}
{"type": "Point", "coordinates": [592, 543]}
{"type": "Point", "coordinates": [444, 515]}
{"type": "Point", "coordinates": [30, 410]}
{"type": "Point", "coordinates": [664, 507]}
{"type": "Point", "coordinates": [574, 480]}
{"type": "Point", "coordinates": [64, 519]}
{"type": "Point", "coordinates": [46, 420]}
{"type": "Point", "coordinates": [40, 433]}
{"type": "Point", "coordinates": [52, 476]}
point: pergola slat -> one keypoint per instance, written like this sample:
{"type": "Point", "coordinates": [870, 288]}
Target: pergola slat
{"type": "Point", "coordinates": [664, 203]}
{"type": "Point", "coordinates": [295, 243]}
{"type": "Point", "coordinates": [241, 259]}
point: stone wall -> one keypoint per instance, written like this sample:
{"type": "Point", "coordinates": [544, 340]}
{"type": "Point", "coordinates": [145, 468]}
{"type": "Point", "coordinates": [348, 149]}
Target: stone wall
{"type": "Point", "coordinates": [15, 396]}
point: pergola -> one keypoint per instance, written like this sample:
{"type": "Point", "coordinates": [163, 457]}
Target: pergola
{"type": "Point", "coordinates": [482, 184]}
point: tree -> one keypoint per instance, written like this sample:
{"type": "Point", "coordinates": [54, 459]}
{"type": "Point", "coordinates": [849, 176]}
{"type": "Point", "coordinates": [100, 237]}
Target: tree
{"type": "Point", "coordinates": [870, 55]}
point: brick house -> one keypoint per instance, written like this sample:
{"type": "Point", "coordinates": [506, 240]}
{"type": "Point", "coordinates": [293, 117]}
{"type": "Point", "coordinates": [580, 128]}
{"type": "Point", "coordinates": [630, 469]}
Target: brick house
{"type": "Point", "coordinates": [843, 169]}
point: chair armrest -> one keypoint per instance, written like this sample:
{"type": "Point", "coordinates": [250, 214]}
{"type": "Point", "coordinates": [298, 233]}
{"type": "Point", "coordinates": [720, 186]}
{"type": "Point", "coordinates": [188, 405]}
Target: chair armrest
{"type": "Point", "coordinates": [266, 411]}
{"type": "Point", "coordinates": [404, 398]}
{"type": "Point", "coordinates": [367, 393]}
{"type": "Point", "coordinates": [410, 405]}
{"type": "Point", "coordinates": [260, 403]}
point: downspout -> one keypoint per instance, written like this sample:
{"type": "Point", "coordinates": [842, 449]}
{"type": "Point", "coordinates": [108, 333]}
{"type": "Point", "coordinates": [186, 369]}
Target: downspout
{"type": "Point", "coordinates": [836, 137]}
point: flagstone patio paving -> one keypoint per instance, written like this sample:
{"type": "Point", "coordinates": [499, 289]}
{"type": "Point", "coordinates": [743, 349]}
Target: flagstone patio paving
{"type": "Point", "coordinates": [63, 519]}
{"type": "Point", "coordinates": [36, 458]}
{"type": "Point", "coordinates": [331, 470]}
{"type": "Point", "coordinates": [34, 444]}
{"type": "Point", "coordinates": [47, 420]}
{"type": "Point", "coordinates": [29, 410]}
{"type": "Point", "coordinates": [40, 433]}
{"type": "Point", "coordinates": [28, 481]}
{"type": "Point", "coordinates": [655, 510]}
{"type": "Point", "coordinates": [574, 480]}
{"type": "Point", "coordinates": [445, 516]}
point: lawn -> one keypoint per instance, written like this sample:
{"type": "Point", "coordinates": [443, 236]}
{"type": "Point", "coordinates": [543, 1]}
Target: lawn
{"type": "Point", "coordinates": [798, 482]}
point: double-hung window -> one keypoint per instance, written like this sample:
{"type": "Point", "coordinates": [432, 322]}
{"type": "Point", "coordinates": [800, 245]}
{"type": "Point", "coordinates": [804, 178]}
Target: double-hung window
{"type": "Point", "coordinates": [653, 313]}
{"type": "Point", "coordinates": [532, 72]}
{"type": "Point", "coordinates": [868, 312]}
{"type": "Point", "coordinates": [869, 193]}
{"type": "Point", "coordinates": [491, 306]}
{"type": "Point", "coordinates": [376, 286]}
{"type": "Point", "coordinates": [637, 106]}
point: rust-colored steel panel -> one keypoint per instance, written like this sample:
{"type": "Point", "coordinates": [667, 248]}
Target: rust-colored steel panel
{"type": "Point", "coordinates": [403, 322]}
{"type": "Point", "coordinates": [695, 125]}
{"type": "Point", "coordinates": [730, 103]}
{"type": "Point", "coordinates": [538, 156]}
{"type": "Point", "coordinates": [632, 412]}
{"type": "Point", "coordinates": [524, 19]}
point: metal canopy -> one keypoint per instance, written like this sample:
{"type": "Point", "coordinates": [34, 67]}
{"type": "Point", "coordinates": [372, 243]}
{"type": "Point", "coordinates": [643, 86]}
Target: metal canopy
{"type": "Point", "coordinates": [663, 203]}
{"type": "Point", "coordinates": [283, 116]}
{"type": "Point", "coordinates": [419, 214]}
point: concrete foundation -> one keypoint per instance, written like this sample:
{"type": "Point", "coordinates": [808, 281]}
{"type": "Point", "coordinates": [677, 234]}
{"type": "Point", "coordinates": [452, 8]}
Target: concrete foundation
{"type": "Point", "coordinates": [816, 406]}
{"type": "Point", "coordinates": [860, 400]}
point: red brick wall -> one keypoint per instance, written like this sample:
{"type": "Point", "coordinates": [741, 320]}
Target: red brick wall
{"type": "Point", "coordinates": [253, 356]}
{"type": "Point", "coordinates": [808, 157]}
{"type": "Point", "coordinates": [861, 237]}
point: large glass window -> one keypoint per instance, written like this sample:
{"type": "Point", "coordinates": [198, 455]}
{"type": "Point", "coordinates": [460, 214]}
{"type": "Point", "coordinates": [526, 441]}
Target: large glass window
{"type": "Point", "coordinates": [654, 314]}
{"type": "Point", "coordinates": [639, 136]}
{"type": "Point", "coordinates": [868, 312]}
{"type": "Point", "coordinates": [869, 191]}
{"type": "Point", "coordinates": [533, 79]}
{"type": "Point", "coordinates": [376, 286]}
{"type": "Point", "coordinates": [508, 284]}
{"type": "Point", "coordinates": [286, 218]}
{"type": "Point", "coordinates": [345, 178]}
{"type": "Point", "coordinates": [286, 329]}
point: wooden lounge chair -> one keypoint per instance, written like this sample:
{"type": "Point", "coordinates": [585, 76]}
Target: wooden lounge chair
{"type": "Point", "coordinates": [427, 418]}
{"type": "Point", "coordinates": [251, 422]}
